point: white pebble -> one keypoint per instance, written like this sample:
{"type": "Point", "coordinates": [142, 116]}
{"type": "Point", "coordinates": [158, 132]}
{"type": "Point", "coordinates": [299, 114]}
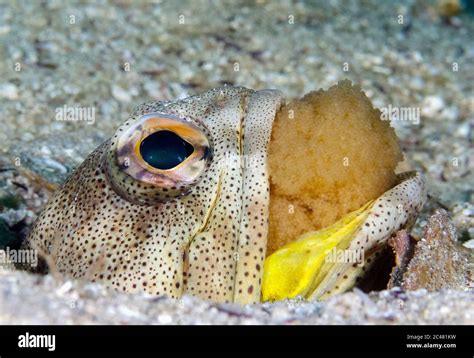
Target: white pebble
{"type": "Point", "coordinates": [432, 105]}
{"type": "Point", "coordinates": [165, 319]}
{"type": "Point", "coordinates": [8, 91]}
{"type": "Point", "coordinates": [120, 94]}
{"type": "Point", "coordinates": [469, 244]}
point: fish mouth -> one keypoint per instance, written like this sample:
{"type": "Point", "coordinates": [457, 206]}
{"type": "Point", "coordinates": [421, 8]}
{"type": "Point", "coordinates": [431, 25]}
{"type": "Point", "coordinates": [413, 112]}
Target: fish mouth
{"type": "Point", "coordinates": [302, 267]}
{"type": "Point", "coordinates": [332, 161]}
{"type": "Point", "coordinates": [329, 261]}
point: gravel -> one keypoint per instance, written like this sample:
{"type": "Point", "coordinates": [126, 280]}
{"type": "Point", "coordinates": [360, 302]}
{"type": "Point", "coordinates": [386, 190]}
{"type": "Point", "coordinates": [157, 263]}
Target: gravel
{"type": "Point", "coordinates": [32, 299]}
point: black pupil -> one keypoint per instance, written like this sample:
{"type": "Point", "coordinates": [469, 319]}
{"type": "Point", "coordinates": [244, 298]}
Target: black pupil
{"type": "Point", "coordinates": [165, 149]}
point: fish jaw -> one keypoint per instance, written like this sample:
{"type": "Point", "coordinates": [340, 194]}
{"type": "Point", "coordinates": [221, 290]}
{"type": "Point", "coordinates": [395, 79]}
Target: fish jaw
{"type": "Point", "coordinates": [362, 234]}
{"type": "Point", "coordinates": [261, 109]}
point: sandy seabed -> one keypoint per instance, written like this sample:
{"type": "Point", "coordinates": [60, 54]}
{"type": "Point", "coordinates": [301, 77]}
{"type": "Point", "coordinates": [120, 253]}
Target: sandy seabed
{"type": "Point", "coordinates": [114, 56]}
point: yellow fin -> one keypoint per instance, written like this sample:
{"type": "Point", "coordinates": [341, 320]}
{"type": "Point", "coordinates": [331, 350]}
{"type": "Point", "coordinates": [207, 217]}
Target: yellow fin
{"type": "Point", "coordinates": [297, 268]}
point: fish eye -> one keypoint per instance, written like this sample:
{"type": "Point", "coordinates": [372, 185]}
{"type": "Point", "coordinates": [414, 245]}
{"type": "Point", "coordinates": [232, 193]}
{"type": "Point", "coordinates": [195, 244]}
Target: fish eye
{"type": "Point", "coordinates": [165, 150]}
{"type": "Point", "coordinates": [158, 156]}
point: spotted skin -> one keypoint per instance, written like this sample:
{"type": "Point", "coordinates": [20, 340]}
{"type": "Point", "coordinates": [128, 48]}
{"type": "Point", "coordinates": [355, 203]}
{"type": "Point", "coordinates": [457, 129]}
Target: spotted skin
{"type": "Point", "coordinates": [195, 243]}
{"type": "Point", "coordinates": [206, 238]}
{"type": "Point", "coordinates": [256, 193]}
{"type": "Point", "coordinates": [395, 209]}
